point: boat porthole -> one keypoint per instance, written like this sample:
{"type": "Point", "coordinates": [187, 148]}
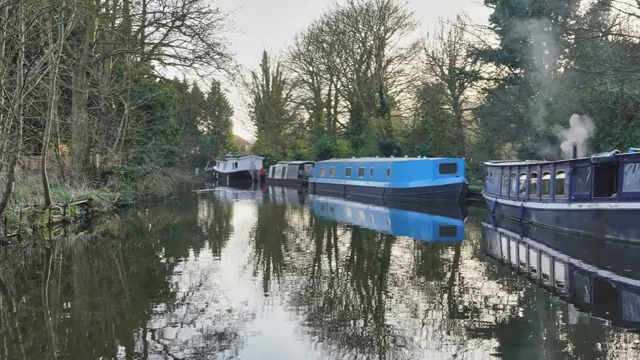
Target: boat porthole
{"type": "Point", "coordinates": [388, 172]}
{"type": "Point", "coordinates": [388, 221]}
{"type": "Point", "coordinates": [371, 172]}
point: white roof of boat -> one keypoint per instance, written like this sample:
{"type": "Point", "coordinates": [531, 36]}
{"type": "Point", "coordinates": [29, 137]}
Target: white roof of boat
{"type": "Point", "coordinates": [516, 162]}
{"type": "Point", "coordinates": [229, 157]}
{"type": "Point", "coordinates": [383, 159]}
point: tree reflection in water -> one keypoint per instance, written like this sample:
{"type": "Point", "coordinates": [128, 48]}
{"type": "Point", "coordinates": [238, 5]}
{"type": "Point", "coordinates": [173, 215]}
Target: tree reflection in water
{"type": "Point", "coordinates": [155, 286]}
{"type": "Point", "coordinates": [113, 293]}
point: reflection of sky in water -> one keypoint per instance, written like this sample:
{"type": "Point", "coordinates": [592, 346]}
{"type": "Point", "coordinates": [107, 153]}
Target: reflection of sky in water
{"type": "Point", "coordinates": [287, 285]}
{"type": "Point", "coordinates": [276, 328]}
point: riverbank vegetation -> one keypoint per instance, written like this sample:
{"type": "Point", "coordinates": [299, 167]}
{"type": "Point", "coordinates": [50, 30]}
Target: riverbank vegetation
{"type": "Point", "coordinates": [360, 81]}
{"type": "Point", "coordinates": [85, 112]}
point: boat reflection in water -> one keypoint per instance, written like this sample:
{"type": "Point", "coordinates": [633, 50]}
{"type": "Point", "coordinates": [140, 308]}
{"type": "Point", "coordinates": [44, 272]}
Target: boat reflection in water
{"type": "Point", "coordinates": [284, 195]}
{"type": "Point", "coordinates": [442, 222]}
{"type": "Point", "coordinates": [597, 276]}
{"type": "Point", "coordinates": [229, 194]}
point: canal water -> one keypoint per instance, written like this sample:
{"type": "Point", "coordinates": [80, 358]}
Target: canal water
{"type": "Point", "coordinates": [231, 273]}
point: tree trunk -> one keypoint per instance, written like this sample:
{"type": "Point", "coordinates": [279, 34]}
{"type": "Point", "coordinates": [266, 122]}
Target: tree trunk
{"type": "Point", "coordinates": [80, 136]}
{"type": "Point", "coordinates": [17, 111]}
{"type": "Point", "coordinates": [52, 105]}
{"type": "Point", "coordinates": [5, 127]}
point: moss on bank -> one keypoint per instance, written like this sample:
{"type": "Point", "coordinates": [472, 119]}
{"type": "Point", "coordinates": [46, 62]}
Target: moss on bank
{"type": "Point", "coordinates": [78, 198]}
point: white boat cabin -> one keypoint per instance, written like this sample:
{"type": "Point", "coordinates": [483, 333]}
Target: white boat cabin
{"type": "Point", "coordinates": [291, 170]}
{"type": "Point", "coordinates": [231, 164]}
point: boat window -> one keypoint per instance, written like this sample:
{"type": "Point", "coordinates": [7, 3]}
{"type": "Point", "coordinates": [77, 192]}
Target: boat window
{"type": "Point", "coordinates": [235, 165]}
{"type": "Point", "coordinates": [388, 172]}
{"type": "Point", "coordinates": [448, 168]}
{"type": "Point", "coordinates": [271, 172]}
{"type": "Point", "coordinates": [347, 172]}
{"type": "Point", "coordinates": [545, 186]}
{"type": "Point", "coordinates": [513, 183]}
{"type": "Point", "coordinates": [371, 172]}
{"type": "Point", "coordinates": [332, 171]}
{"type": "Point", "coordinates": [561, 176]}
{"type": "Point", "coordinates": [631, 180]}
{"type": "Point", "coordinates": [323, 171]}
{"type": "Point", "coordinates": [505, 184]}
{"type": "Point", "coordinates": [361, 172]}
{"type": "Point", "coordinates": [582, 176]}
{"type": "Point", "coordinates": [522, 185]}
{"type": "Point", "coordinates": [605, 179]}
{"type": "Point", "coordinates": [533, 184]}
{"type": "Point", "coordinates": [448, 231]}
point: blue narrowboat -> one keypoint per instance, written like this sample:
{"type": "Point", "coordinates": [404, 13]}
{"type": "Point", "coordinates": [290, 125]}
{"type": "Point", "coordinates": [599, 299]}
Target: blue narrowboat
{"type": "Point", "coordinates": [404, 179]}
{"type": "Point", "coordinates": [597, 195]}
{"type": "Point", "coordinates": [423, 225]}
{"type": "Point", "coordinates": [598, 276]}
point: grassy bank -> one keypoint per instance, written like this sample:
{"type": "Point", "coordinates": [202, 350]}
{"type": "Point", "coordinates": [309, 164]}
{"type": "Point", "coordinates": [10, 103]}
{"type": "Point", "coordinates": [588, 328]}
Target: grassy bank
{"type": "Point", "coordinates": [78, 198]}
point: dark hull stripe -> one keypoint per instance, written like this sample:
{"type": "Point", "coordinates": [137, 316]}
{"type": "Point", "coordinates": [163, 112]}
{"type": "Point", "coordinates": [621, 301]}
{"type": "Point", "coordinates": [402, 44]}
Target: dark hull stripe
{"type": "Point", "coordinates": [453, 192]}
{"type": "Point", "coordinates": [610, 223]}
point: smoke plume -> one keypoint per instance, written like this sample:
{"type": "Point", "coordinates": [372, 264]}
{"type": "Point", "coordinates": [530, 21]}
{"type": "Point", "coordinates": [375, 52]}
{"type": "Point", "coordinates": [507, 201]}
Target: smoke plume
{"type": "Point", "coordinates": [580, 129]}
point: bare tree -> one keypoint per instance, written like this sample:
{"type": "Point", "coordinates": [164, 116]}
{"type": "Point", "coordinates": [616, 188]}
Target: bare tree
{"type": "Point", "coordinates": [17, 106]}
{"type": "Point", "coordinates": [56, 42]}
{"type": "Point", "coordinates": [447, 62]}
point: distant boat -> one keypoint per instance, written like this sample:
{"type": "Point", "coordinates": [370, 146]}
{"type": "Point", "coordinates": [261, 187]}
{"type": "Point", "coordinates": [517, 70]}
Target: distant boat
{"type": "Point", "coordinates": [236, 168]}
{"type": "Point", "coordinates": [599, 277]}
{"type": "Point", "coordinates": [422, 223]}
{"type": "Point", "coordinates": [597, 195]}
{"type": "Point", "coordinates": [404, 179]}
{"type": "Point", "coordinates": [290, 173]}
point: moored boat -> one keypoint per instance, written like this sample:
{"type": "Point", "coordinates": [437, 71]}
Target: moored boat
{"type": "Point", "coordinates": [290, 173]}
{"type": "Point", "coordinates": [402, 179]}
{"type": "Point", "coordinates": [596, 196]}
{"type": "Point", "coordinates": [237, 168]}
{"type": "Point", "coordinates": [597, 276]}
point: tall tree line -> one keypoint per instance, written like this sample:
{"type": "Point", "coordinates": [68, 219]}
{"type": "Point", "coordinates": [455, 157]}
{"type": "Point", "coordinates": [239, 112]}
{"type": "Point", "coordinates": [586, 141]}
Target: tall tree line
{"type": "Point", "coordinates": [81, 80]}
{"type": "Point", "coordinates": [359, 81]}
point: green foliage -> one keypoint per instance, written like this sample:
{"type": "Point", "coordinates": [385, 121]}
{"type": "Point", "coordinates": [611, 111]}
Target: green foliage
{"type": "Point", "coordinates": [270, 112]}
{"type": "Point", "coordinates": [327, 147]}
{"type": "Point", "coordinates": [543, 144]}
{"type": "Point", "coordinates": [215, 123]}
{"type": "Point", "coordinates": [432, 131]}
{"type": "Point", "coordinates": [156, 123]}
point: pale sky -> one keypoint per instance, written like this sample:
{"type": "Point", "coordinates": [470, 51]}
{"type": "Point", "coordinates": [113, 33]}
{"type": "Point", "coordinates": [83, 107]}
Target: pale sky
{"type": "Point", "coordinates": [272, 24]}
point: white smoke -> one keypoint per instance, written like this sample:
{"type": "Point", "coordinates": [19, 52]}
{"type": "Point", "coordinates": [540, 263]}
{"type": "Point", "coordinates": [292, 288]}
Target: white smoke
{"type": "Point", "coordinates": [581, 127]}
{"type": "Point", "coordinates": [544, 55]}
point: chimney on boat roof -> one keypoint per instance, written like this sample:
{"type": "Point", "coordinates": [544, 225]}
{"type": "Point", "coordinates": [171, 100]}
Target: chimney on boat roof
{"type": "Point", "coordinates": [574, 147]}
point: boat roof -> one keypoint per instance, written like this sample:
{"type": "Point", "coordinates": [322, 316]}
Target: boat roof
{"type": "Point", "coordinates": [229, 157]}
{"type": "Point", "coordinates": [534, 162]}
{"type": "Point", "coordinates": [382, 159]}
{"type": "Point", "coordinates": [297, 162]}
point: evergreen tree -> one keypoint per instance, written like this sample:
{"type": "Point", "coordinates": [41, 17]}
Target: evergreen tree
{"type": "Point", "coordinates": [216, 123]}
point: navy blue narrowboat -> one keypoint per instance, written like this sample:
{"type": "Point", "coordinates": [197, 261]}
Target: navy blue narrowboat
{"type": "Point", "coordinates": [597, 195]}
{"type": "Point", "coordinates": [403, 179]}
{"type": "Point", "coordinates": [597, 276]}
{"type": "Point", "coordinates": [424, 225]}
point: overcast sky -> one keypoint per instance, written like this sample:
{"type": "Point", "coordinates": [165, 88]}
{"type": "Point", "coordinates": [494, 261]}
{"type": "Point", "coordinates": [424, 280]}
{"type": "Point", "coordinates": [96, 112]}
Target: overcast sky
{"type": "Point", "coordinates": [272, 24]}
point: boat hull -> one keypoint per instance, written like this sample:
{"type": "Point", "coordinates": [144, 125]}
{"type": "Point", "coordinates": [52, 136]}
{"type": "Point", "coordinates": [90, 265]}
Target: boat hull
{"type": "Point", "coordinates": [237, 176]}
{"type": "Point", "coordinates": [451, 192]}
{"type": "Point", "coordinates": [603, 220]}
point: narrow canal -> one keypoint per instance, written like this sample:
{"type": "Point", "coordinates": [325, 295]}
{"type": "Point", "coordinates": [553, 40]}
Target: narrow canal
{"type": "Point", "coordinates": [244, 274]}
